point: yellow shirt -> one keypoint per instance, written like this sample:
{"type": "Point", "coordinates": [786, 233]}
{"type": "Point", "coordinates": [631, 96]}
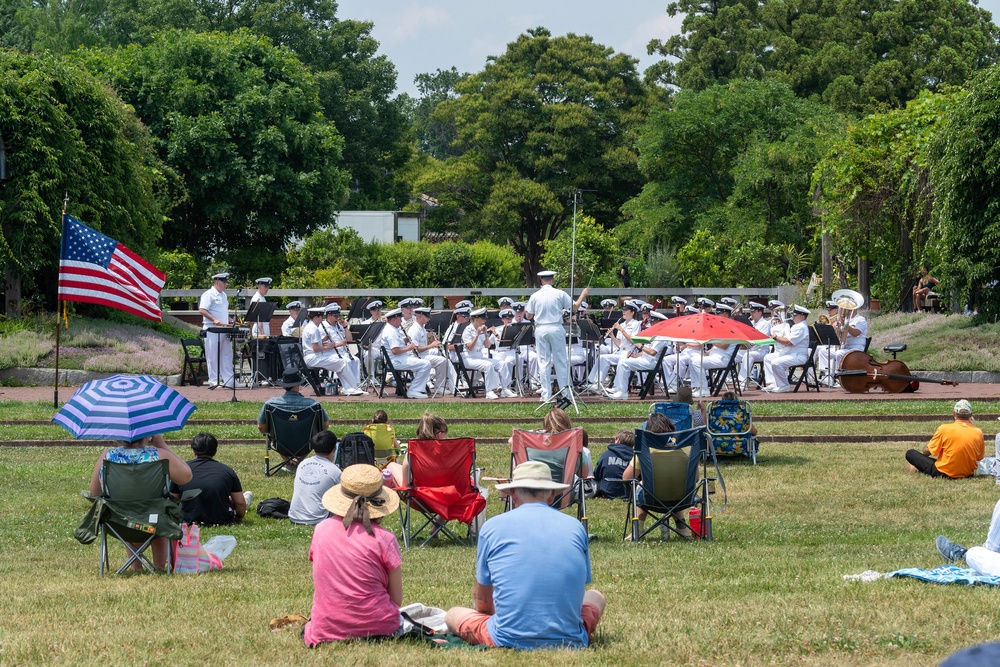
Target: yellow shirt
{"type": "Point", "coordinates": [958, 448]}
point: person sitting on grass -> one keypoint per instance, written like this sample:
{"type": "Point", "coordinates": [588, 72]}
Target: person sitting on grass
{"type": "Point", "coordinates": [313, 478]}
{"type": "Point", "coordinates": [143, 450]}
{"type": "Point", "coordinates": [657, 423]}
{"type": "Point", "coordinates": [532, 569]}
{"type": "Point", "coordinates": [985, 559]}
{"type": "Point", "coordinates": [612, 464]}
{"type": "Point", "coordinates": [292, 400]}
{"type": "Point", "coordinates": [357, 581]}
{"type": "Point", "coordinates": [956, 448]}
{"type": "Point", "coordinates": [222, 499]}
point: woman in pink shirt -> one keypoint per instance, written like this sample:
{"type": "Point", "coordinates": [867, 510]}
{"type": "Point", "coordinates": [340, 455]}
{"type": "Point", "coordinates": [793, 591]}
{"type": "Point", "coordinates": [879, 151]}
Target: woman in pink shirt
{"type": "Point", "coordinates": [358, 585]}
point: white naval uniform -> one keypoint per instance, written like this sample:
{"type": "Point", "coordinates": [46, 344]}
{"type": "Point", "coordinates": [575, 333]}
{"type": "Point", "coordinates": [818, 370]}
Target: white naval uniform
{"type": "Point", "coordinates": [828, 357]}
{"type": "Point", "coordinates": [259, 328]}
{"type": "Point", "coordinates": [777, 363]}
{"type": "Point", "coordinates": [287, 326]}
{"type": "Point", "coordinates": [326, 359]}
{"type": "Point", "coordinates": [339, 334]}
{"type": "Point", "coordinates": [756, 352]}
{"type": "Point", "coordinates": [546, 307]}
{"type": "Point", "coordinates": [645, 360]}
{"type": "Point", "coordinates": [443, 370]}
{"type": "Point", "coordinates": [495, 371]}
{"type": "Point", "coordinates": [717, 357]}
{"type": "Point", "coordinates": [677, 366]}
{"type": "Point", "coordinates": [599, 371]}
{"type": "Point", "coordinates": [218, 348]}
{"type": "Point", "coordinates": [408, 361]}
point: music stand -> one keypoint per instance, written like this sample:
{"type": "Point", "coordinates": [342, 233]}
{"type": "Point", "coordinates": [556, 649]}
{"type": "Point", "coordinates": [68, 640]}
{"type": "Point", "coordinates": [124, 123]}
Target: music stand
{"type": "Point", "coordinates": [825, 334]}
{"type": "Point", "coordinates": [369, 334]}
{"type": "Point", "coordinates": [508, 338]}
{"type": "Point", "coordinates": [258, 313]}
{"type": "Point", "coordinates": [358, 306]}
{"type": "Point", "coordinates": [440, 322]}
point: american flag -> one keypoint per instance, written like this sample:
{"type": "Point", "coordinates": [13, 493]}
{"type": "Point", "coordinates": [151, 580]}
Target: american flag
{"type": "Point", "coordinates": [95, 268]}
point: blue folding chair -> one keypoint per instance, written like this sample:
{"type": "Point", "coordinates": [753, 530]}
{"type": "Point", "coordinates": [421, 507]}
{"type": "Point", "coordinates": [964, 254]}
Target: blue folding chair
{"type": "Point", "coordinates": [677, 412]}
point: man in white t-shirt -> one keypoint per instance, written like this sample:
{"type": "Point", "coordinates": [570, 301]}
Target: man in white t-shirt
{"type": "Point", "coordinates": [313, 477]}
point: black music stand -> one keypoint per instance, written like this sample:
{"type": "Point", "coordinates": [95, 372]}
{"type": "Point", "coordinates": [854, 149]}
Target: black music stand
{"type": "Point", "coordinates": [258, 313]}
{"type": "Point", "coordinates": [824, 334]}
{"type": "Point", "coordinates": [440, 322]}
{"type": "Point", "coordinates": [358, 306]}
{"type": "Point", "coordinates": [369, 333]}
{"type": "Point", "coordinates": [590, 334]}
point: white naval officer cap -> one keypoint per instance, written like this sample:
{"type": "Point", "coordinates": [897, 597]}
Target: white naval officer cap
{"type": "Point", "coordinates": [609, 303]}
{"type": "Point", "coordinates": [519, 305]}
{"type": "Point", "coordinates": [332, 308]}
{"type": "Point", "coordinates": [317, 310]}
{"type": "Point", "coordinates": [423, 310]}
{"type": "Point", "coordinates": [756, 305]}
{"type": "Point", "coordinates": [294, 305]}
{"type": "Point", "coordinates": [375, 305]}
{"type": "Point", "coordinates": [507, 312]}
{"type": "Point", "coordinates": [724, 306]}
{"type": "Point", "coordinates": [395, 312]}
{"type": "Point", "coordinates": [479, 312]}
{"type": "Point", "coordinates": [678, 300]}
{"type": "Point", "coordinates": [546, 274]}
{"type": "Point", "coordinates": [224, 277]}
{"type": "Point", "coordinates": [774, 303]}
{"type": "Point", "coordinates": [464, 303]}
{"type": "Point", "coordinates": [583, 306]}
{"type": "Point", "coordinates": [832, 305]}
{"type": "Point", "coordinates": [263, 281]}
{"type": "Point", "coordinates": [728, 300]}
{"type": "Point", "coordinates": [801, 310]}
{"type": "Point", "coordinates": [505, 301]}
{"type": "Point", "coordinates": [464, 310]}
{"type": "Point", "coordinates": [645, 305]}
{"type": "Point", "coordinates": [690, 309]}
{"type": "Point", "coordinates": [631, 305]}
{"type": "Point", "coordinates": [657, 316]}
{"type": "Point", "coordinates": [704, 301]}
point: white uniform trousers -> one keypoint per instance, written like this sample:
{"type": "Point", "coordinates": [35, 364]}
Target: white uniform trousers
{"type": "Point", "coordinates": [443, 371]}
{"type": "Point", "coordinates": [750, 357]}
{"type": "Point", "coordinates": [550, 341]}
{"type": "Point", "coordinates": [626, 365]}
{"type": "Point", "coordinates": [490, 368]}
{"type": "Point", "coordinates": [219, 359]}
{"type": "Point", "coordinates": [599, 371]}
{"type": "Point", "coordinates": [776, 365]}
{"type": "Point", "coordinates": [701, 364]}
{"type": "Point", "coordinates": [329, 361]}
{"type": "Point", "coordinates": [421, 369]}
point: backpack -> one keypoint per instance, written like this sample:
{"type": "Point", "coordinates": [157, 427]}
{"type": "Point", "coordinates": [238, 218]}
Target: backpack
{"type": "Point", "coordinates": [355, 448]}
{"type": "Point", "coordinates": [273, 508]}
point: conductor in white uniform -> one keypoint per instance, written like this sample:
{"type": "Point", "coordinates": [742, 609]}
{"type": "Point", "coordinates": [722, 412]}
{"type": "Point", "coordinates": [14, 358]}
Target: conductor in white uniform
{"type": "Point", "coordinates": [545, 309]}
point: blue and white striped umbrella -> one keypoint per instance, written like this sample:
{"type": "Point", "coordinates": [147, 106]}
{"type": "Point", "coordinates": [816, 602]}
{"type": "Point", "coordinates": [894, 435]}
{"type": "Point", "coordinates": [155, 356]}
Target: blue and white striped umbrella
{"type": "Point", "coordinates": [124, 407]}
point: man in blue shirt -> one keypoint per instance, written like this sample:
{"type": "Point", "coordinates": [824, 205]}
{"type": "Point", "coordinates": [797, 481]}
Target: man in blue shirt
{"type": "Point", "coordinates": [532, 569]}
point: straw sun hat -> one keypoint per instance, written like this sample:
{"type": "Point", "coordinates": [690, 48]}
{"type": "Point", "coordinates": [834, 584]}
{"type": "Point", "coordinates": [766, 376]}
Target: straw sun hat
{"type": "Point", "coordinates": [361, 483]}
{"type": "Point", "coordinates": [532, 475]}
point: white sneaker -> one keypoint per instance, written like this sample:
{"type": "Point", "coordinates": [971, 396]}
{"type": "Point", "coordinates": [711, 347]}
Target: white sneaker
{"type": "Point", "coordinates": [416, 394]}
{"type": "Point", "coordinates": [617, 396]}
{"type": "Point", "coordinates": [492, 395]}
{"type": "Point", "coordinates": [507, 393]}
{"type": "Point", "coordinates": [780, 390]}
{"type": "Point", "coordinates": [355, 392]}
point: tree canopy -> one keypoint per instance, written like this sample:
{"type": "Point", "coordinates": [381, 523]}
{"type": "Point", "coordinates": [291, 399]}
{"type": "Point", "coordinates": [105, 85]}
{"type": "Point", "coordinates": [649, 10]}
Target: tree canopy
{"type": "Point", "coordinates": [854, 55]}
{"type": "Point", "coordinates": [239, 118]}
{"type": "Point", "coordinates": [547, 117]}
{"type": "Point", "coordinates": [68, 136]}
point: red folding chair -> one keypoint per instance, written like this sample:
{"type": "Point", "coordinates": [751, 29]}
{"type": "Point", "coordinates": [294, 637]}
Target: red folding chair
{"type": "Point", "coordinates": [563, 454]}
{"type": "Point", "coordinates": [440, 488]}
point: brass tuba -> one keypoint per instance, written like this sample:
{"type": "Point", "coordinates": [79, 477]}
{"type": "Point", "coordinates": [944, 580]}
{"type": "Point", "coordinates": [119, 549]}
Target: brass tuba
{"type": "Point", "coordinates": [848, 302]}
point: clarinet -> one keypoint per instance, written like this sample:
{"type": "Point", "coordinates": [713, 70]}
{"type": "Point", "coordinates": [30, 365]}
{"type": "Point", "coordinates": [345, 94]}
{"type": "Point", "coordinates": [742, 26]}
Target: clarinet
{"type": "Point", "coordinates": [407, 340]}
{"type": "Point", "coordinates": [346, 346]}
{"type": "Point", "coordinates": [327, 334]}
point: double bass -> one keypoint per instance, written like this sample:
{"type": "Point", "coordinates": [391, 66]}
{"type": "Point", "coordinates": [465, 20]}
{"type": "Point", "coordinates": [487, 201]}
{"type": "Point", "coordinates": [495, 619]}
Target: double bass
{"type": "Point", "coordinates": [860, 373]}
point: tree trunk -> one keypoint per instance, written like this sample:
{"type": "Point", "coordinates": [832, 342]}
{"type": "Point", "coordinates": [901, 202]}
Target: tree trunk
{"type": "Point", "coordinates": [827, 262]}
{"type": "Point", "coordinates": [13, 293]}
{"type": "Point", "coordinates": [864, 278]}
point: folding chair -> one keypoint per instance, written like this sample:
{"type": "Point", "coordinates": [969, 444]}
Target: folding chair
{"type": "Point", "coordinates": [291, 355]}
{"type": "Point", "coordinates": [563, 454]}
{"type": "Point", "coordinates": [384, 438]}
{"type": "Point", "coordinates": [440, 488]}
{"type": "Point", "coordinates": [469, 375]}
{"type": "Point", "coordinates": [403, 378]}
{"type": "Point", "coordinates": [729, 425]}
{"type": "Point", "coordinates": [195, 365]}
{"type": "Point", "coordinates": [676, 411]}
{"type": "Point", "coordinates": [668, 481]}
{"type": "Point", "coordinates": [717, 377]}
{"type": "Point", "coordinates": [289, 433]}
{"type": "Point", "coordinates": [807, 369]}
{"type": "Point", "coordinates": [648, 378]}
{"type": "Point", "coordinates": [134, 508]}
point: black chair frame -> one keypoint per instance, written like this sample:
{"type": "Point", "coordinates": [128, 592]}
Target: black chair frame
{"type": "Point", "coordinates": [403, 378]}
{"type": "Point", "coordinates": [195, 364]}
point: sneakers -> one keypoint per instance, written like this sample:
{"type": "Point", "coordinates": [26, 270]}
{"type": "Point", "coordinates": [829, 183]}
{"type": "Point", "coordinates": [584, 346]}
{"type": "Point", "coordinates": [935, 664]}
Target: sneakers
{"type": "Point", "coordinates": [357, 392]}
{"type": "Point", "coordinates": [507, 393]}
{"type": "Point", "coordinates": [416, 394]}
{"type": "Point", "coordinates": [617, 396]}
{"type": "Point", "coordinates": [949, 550]}
{"type": "Point", "coordinates": [772, 389]}
{"type": "Point", "coordinates": [492, 395]}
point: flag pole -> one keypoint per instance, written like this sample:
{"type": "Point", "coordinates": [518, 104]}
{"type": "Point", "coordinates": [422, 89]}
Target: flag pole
{"type": "Point", "coordinates": [55, 384]}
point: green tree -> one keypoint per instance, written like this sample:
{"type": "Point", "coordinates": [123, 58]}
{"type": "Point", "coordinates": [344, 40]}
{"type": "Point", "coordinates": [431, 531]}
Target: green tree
{"type": "Point", "coordinates": [549, 116]}
{"type": "Point", "coordinates": [435, 135]}
{"type": "Point", "coordinates": [239, 118]}
{"type": "Point", "coordinates": [67, 135]}
{"type": "Point", "coordinates": [598, 255]}
{"type": "Point", "coordinates": [965, 172]}
{"type": "Point", "coordinates": [854, 55]}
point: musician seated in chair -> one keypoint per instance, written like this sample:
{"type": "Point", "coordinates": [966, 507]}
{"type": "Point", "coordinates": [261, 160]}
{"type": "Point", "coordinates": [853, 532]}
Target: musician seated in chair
{"type": "Point", "coordinates": [404, 355]}
{"type": "Point", "coordinates": [320, 350]}
{"type": "Point", "coordinates": [954, 451]}
{"type": "Point", "coordinates": [853, 328]}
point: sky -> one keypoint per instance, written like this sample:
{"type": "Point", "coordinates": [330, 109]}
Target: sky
{"type": "Point", "coordinates": [425, 36]}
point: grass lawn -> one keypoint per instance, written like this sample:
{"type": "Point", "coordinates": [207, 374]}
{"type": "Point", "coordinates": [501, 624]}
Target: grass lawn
{"type": "Point", "coordinates": [768, 591]}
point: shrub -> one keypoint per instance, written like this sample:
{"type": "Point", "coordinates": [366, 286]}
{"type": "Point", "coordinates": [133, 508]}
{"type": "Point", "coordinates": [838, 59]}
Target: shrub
{"type": "Point", "coordinates": [495, 265]}
{"type": "Point", "coordinates": [452, 265]}
{"type": "Point", "coordinates": [23, 348]}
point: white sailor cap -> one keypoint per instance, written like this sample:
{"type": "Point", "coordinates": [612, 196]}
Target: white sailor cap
{"type": "Point", "coordinates": [507, 312]}
{"type": "Point", "coordinates": [646, 306]}
{"type": "Point", "coordinates": [423, 310]}
{"type": "Point", "coordinates": [631, 305]}
{"type": "Point", "coordinates": [465, 303]}
{"type": "Point", "coordinates": [657, 316]}
{"type": "Point", "coordinates": [405, 303]}
{"type": "Point", "coordinates": [464, 310]}
{"type": "Point", "coordinates": [519, 305]}
{"type": "Point", "coordinates": [774, 303]}
{"type": "Point", "coordinates": [546, 274]}
{"type": "Point", "coordinates": [801, 310]}
{"type": "Point", "coordinates": [479, 312]}
{"type": "Point", "coordinates": [224, 277]}
{"type": "Point", "coordinates": [333, 308]}
{"type": "Point", "coordinates": [756, 305]}
{"type": "Point", "coordinates": [565, 314]}
{"type": "Point", "coordinates": [728, 300]}
{"type": "Point", "coordinates": [584, 306]}
{"type": "Point", "coordinates": [704, 301]}
{"type": "Point", "coordinates": [395, 312]}
{"type": "Point", "coordinates": [690, 309]}
{"type": "Point", "coordinates": [608, 303]}
{"type": "Point", "coordinates": [678, 300]}
{"type": "Point", "coordinates": [505, 301]}
{"type": "Point", "coordinates": [724, 306]}
{"type": "Point", "coordinates": [832, 305]}
{"type": "Point", "coordinates": [317, 310]}
{"type": "Point", "coordinates": [263, 281]}
{"type": "Point", "coordinates": [374, 305]}
{"type": "Point", "coordinates": [294, 305]}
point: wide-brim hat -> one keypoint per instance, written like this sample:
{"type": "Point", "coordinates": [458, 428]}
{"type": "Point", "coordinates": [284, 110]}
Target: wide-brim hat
{"type": "Point", "coordinates": [290, 378]}
{"type": "Point", "coordinates": [533, 475]}
{"type": "Point", "coordinates": [364, 481]}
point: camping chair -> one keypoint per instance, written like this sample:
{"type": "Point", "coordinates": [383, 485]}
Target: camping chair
{"type": "Point", "coordinates": [668, 480]}
{"type": "Point", "coordinates": [403, 378]}
{"type": "Point", "coordinates": [729, 424]}
{"type": "Point", "coordinates": [563, 454]}
{"type": "Point", "coordinates": [384, 438]}
{"type": "Point", "coordinates": [440, 488]}
{"type": "Point", "coordinates": [289, 433]}
{"type": "Point", "coordinates": [195, 365]}
{"type": "Point", "coordinates": [135, 509]}
{"type": "Point", "coordinates": [676, 411]}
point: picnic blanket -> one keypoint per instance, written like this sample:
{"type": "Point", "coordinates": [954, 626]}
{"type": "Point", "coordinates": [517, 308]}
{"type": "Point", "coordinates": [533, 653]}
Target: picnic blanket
{"type": "Point", "coordinates": [943, 574]}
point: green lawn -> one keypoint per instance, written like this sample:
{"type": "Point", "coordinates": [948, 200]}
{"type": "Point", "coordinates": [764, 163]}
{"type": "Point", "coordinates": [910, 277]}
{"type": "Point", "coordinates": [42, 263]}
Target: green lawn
{"type": "Point", "coordinates": [768, 591]}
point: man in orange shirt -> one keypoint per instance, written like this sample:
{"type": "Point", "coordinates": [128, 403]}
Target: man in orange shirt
{"type": "Point", "coordinates": [955, 449]}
